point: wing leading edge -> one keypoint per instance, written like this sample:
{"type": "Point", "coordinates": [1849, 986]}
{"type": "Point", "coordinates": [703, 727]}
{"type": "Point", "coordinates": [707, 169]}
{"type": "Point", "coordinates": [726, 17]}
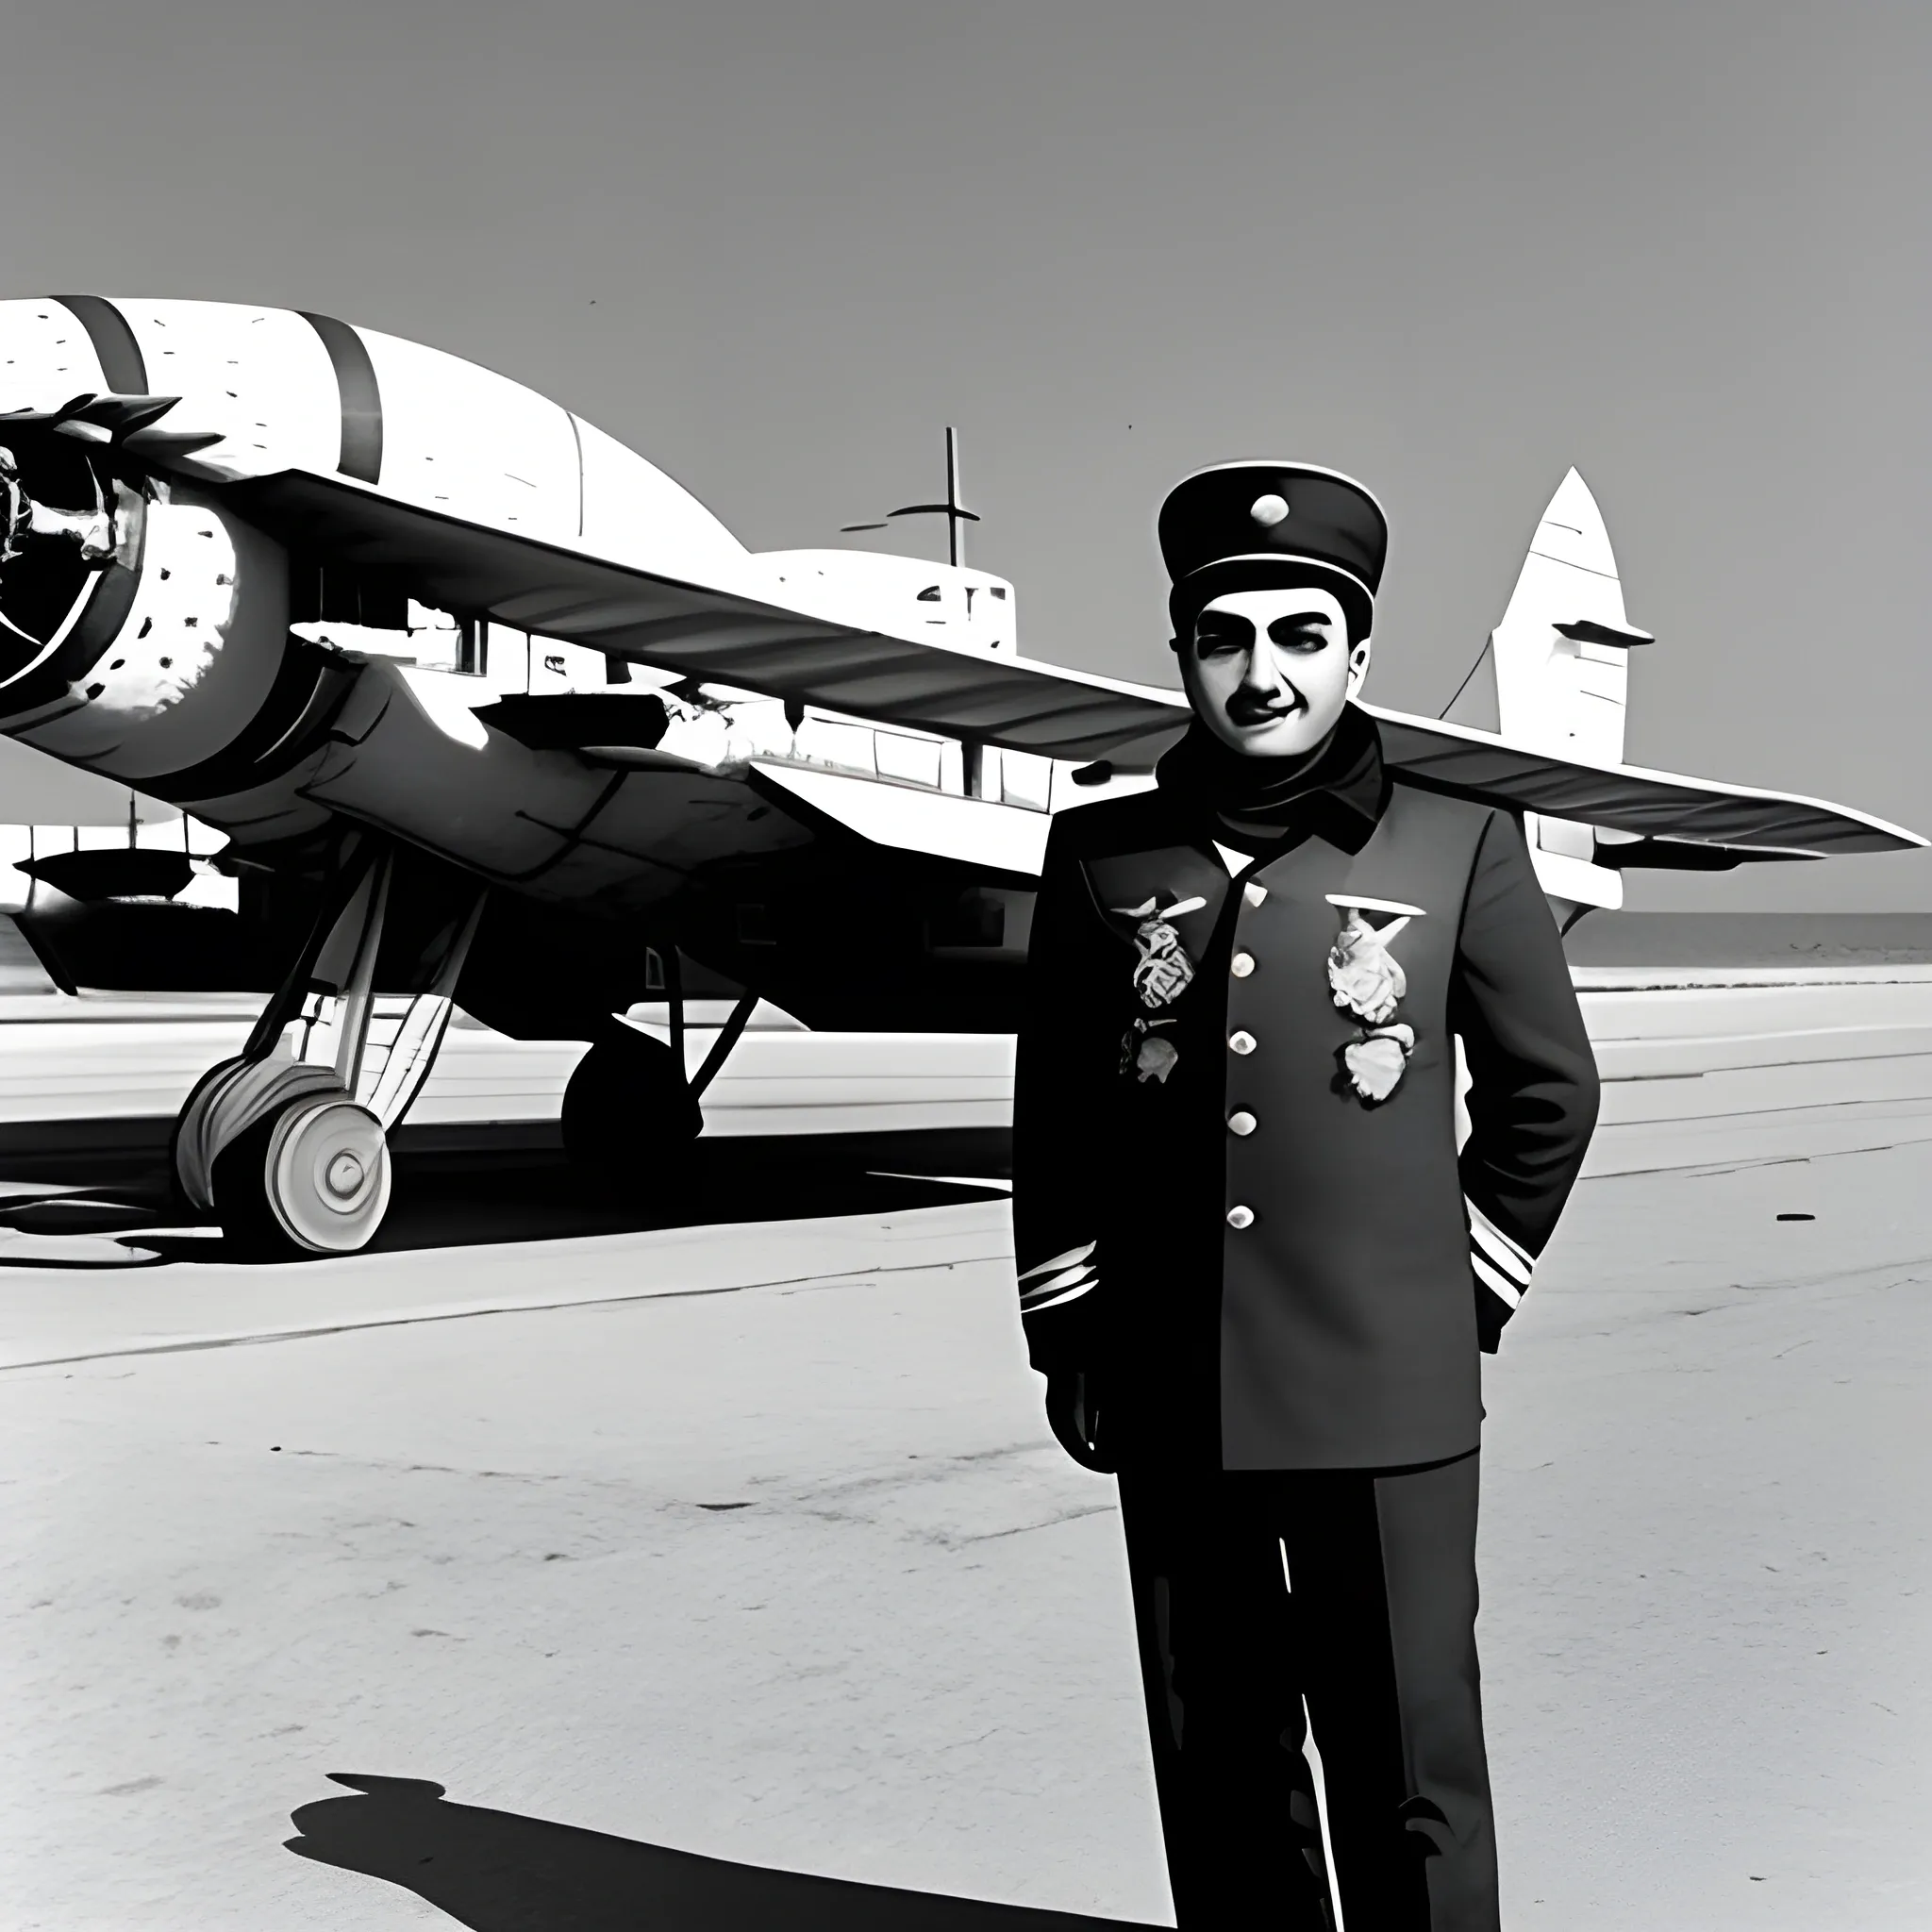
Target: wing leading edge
{"type": "Point", "coordinates": [724, 636]}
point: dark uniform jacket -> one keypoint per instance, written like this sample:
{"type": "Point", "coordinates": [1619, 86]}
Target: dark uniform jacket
{"type": "Point", "coordinates": [1262, 1253]}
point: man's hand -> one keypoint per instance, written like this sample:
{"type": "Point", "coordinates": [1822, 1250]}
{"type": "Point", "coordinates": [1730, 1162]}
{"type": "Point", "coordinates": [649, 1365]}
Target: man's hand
{"type": "Point", "coordinates": [1072, 1412]}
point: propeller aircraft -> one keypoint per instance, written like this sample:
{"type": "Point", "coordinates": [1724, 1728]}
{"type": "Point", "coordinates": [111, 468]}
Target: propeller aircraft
{"type": "Point", "coordinates": [496, 715]}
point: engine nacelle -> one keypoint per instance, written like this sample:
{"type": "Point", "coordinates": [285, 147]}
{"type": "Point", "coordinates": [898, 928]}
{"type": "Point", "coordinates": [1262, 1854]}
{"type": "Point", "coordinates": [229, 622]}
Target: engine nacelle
{"type": "Point", "coordinates": [179, 671]}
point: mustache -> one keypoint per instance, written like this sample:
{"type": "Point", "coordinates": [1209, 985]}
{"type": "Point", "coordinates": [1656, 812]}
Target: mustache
{"type": "Point", "coordinates": [1245, 706]}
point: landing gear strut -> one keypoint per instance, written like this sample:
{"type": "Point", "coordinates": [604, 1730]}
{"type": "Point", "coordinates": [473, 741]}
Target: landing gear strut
{"type": "Point", "coordinates": [291, 1152]}
{"type": "Point", "coordinates": [630, 1113]}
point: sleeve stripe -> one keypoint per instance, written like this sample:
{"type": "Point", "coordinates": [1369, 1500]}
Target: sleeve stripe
{"type": "Point", "coordinates": [1510, 1263]}
{"type": "Point", "coordinates": [1060, 1261]}
{"type": "Point", "coordinates": [1071, 1294]}
{"type": "Point", "coordinates": [1499, 1243]}
{"type": "Point", "coordinates": [1505, 1291]}
{"type": "Point", "coordinates": [1481, 1220]}
{"type": "Point", "coordinates": [1054, 1283]}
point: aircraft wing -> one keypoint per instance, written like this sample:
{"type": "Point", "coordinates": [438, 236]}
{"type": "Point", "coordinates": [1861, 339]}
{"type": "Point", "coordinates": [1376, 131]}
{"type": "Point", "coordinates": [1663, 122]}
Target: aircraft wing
{"type": "Point", "coordinates": [1627, 798]}
{"type": "Point", "coordinates": [722, 636]}
{"type": "Point", "coordinates": [714, 633]}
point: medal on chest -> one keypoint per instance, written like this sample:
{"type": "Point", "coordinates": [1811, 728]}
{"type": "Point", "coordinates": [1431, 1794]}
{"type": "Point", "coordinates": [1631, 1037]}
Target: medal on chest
{"type": "Point", "coordinates": [1366, 980]}
{"type": "Point", "coordinates": [1163, 971]}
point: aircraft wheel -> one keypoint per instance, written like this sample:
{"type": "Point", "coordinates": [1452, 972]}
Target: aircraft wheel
{"type": "Point", "coordinates": [230, 1098]}
{"type": "Point", "coordinates": [628, 1118]}
{"type": "Point", "coordinates": [312, 1177]}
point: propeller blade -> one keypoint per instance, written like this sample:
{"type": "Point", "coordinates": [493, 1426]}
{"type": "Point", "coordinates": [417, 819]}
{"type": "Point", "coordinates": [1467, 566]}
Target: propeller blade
{"type": "Point", "coordinates": [125, 414]}
{"type": "Point", "coordinates": [112, 419]}
{"type": "Point", "coordinates": [170, 442]}
{"type": "Point", "coordinates": [862, 527]}
{"type": "Point", "coordinates": [934, 509]}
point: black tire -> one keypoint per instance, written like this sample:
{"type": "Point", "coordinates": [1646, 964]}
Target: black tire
{"type": "Point", "coordinates": [190, 1211]}
{"type": "Point", "coordinates": [250, 1231]}
{"type": "Point", "coordinates": [628, 1118]}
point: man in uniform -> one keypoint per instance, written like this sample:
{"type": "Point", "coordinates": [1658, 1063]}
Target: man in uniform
{"type": "Point", "coordinates": [1254, 1268]}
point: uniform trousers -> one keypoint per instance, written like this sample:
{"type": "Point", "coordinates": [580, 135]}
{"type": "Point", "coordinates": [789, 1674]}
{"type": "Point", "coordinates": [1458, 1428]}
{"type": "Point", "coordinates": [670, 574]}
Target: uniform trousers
{"type": "Point", "coordinates": [1349, 1595]}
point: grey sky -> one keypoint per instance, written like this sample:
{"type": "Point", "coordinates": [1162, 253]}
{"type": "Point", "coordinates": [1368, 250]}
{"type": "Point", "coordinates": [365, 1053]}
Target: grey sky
{"type": "Point", "coordinates": [1450, 247]}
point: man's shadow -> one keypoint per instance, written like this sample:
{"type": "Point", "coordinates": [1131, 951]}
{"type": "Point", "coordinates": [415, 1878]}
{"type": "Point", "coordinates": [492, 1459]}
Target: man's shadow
{"type": "Point", "coordinates": [496, 1871]}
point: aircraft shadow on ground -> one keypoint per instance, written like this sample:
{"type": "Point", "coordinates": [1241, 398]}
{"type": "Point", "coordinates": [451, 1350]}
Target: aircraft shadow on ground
{"type": "Point", "coordinates": [124, 1216]}
{"type": "Point", "coordinates": [498, 1872]}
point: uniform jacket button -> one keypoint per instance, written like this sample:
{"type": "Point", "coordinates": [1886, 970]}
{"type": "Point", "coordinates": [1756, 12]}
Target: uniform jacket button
{"type": "Point", "coordinates": [1241, 965]}
{"type": "Point", "coordinates": [1241, 1123]}
{"type": "Point", "coordinates": [1240, 1217]}
{"type": "Point", "coordinates": [1242, 1042]}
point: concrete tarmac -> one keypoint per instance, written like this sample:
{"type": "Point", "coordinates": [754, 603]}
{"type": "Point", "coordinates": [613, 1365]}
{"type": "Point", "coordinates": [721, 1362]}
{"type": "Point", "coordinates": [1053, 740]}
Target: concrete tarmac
{"type": "Point", "coordinates": [684, 1558]}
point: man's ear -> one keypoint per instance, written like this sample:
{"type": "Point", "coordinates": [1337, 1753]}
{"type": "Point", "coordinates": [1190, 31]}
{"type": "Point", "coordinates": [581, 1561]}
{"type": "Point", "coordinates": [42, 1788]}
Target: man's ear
{"type": "Point", "coordinates": [1358, 664]}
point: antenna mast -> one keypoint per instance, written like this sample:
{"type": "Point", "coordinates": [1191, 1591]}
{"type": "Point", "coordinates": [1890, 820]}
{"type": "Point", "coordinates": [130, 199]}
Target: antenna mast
{"type": "Point", "coordinates": [956, 544]}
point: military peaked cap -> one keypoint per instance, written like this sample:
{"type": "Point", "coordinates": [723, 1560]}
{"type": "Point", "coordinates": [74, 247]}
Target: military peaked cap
{"type": "Point", "coordinates": [1248, 526]}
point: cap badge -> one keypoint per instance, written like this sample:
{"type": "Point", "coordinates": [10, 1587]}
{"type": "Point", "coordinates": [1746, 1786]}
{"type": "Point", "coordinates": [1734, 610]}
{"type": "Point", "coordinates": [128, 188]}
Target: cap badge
{"type": "Point", "coordinates": [1268, 511]}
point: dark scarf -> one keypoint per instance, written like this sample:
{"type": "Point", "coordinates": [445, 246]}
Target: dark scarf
{"type": "Point", "coordinates": [1339, 790]}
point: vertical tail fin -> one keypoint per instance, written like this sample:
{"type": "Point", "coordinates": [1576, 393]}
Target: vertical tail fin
{"type": "Point", "coordinates": [1562, 656]}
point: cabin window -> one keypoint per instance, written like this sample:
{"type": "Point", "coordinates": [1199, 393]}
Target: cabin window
{"type": "Point", "coordinates": [913, 760]}
{"type": "Point", "coordinates": [1566, 839]}
{"type": "Point", "coordinates": [930, 594]}
{"type": "Point", "coordinates": [1025, 779]}
{"type": "Point", "coordinates": [843, 747]}
{"type": "Point", "coordinates": [473, 646]}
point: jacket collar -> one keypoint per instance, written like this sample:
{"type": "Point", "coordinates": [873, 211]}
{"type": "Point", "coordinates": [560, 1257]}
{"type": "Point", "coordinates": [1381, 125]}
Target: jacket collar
{"type": "Point", "coordinates": [1268, 805]}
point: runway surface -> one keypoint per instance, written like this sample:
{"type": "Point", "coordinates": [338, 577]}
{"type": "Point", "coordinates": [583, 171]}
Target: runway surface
{"type": "Point", "coordinates": [690, 1549]}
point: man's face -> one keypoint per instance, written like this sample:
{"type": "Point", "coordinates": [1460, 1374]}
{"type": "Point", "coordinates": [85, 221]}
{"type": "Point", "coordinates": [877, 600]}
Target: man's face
{"type": "Point", "coordinates": [1268, 672]}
